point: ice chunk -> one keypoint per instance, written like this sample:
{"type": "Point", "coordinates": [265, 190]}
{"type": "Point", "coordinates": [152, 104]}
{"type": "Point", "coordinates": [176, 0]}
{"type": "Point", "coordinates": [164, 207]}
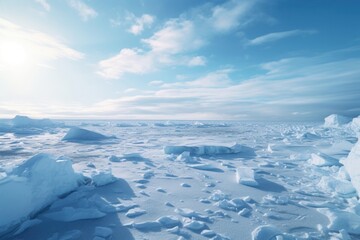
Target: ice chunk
{"type": "Point", "coordinates": [321, 160]}
{"type": "Point", "coordinates": [208, 233]}
{"type": "Point", "coordinates": [351, 164]}
{"type": "Point", "coordinates": [76, 134]}
{"type": "Point", "coordinates": [208, 150]}
{"type": "Point", "coordinates": [169, 221]}
{"type": "Point", "coordinates": [194, 225]}
{"type": "Point", "coordinates": [70, 214]}
{"type": "Point", "coordinates": [32, 186]}
{"type": "Point", "coordinates": [23, 122]}
{"type": "Point", "coordinates": [185, 157]}
{"type": "Point", "coordinates": [265, 232]}
{"type": "Point", "coordinates": [218, 195]}
{"type": "Point", "coordinates": [335, 120]}
{"type": "Point", "coordinates": [246, 176]}
{"type": "Point", "coordinates": [189, 213]}
{"type": "Point", "coordinates": [342, 187]}
{"type": "Point", "coordinates": [135, 212]}
{"type": "Point", "coordinates": [101, 178]}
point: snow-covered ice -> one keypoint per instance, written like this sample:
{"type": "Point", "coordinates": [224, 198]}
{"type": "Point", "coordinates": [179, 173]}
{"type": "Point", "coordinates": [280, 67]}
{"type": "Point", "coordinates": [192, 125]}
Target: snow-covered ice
{"type": "Point", "coordinates": [179, 180]}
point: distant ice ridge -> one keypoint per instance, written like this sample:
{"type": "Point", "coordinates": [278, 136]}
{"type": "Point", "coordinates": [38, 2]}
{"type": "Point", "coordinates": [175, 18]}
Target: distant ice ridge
{"type": "Point", "coordinates": [32, 186]}
{"type": "Point", "coordinates": [24, 121]}
{"type": "Point", "coordinates": [335, 120]}
{"type": "Point", "coordinates": [76, 134]}
{"type": "Point", "coordinates": [208, 150]}
{"type": "Point", "coordinates": [25, 125]}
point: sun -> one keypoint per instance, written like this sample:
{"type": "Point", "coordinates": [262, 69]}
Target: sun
{"type": "Point", "coordinates": [13, 54]}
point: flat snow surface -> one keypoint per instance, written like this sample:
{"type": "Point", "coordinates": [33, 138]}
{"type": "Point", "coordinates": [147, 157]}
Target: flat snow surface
{"type": "Point", "coordinates": [185, 180]}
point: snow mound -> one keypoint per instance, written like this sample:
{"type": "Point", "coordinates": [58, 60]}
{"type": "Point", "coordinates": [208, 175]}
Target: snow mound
{"type": "Point", "coordinates": [24, 121]}
{"type": "Point", "coordinates": [351, 164]}
{"type": "Point", "coordinates": [208, 150]}
{"type": "Point", "coordinates": [266, 232]}
{"type": "Point", "coordinates": [335, 120]}
{"type": "Point", "coordinates": [76, 134]}
{"type": "Point", "coordinates": [246, 176]}
{"type": "Point", "coordinates": [322, 160]}
{"type": "Point", "coordinates": [32, 186]}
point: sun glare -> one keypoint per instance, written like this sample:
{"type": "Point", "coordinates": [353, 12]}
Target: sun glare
{"type": "Point", "coordinates": [13, 54]}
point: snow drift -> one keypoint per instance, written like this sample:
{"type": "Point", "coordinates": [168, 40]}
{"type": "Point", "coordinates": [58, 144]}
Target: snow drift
{"type": "Point", "coordinates": [335, 120]}
{"type": "Point", "coordinates": [32, 186]}
{"type": "Point", "coordinates": [76, 134]}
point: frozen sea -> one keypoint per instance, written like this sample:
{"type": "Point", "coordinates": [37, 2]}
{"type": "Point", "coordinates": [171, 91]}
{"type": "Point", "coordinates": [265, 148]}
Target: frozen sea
{"type": "Point", "coordinates": [177, 180]}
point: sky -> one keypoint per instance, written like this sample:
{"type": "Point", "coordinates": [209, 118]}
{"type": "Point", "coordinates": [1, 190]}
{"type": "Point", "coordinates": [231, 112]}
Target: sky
{"type": "Point", "coordinates": [258, 60]}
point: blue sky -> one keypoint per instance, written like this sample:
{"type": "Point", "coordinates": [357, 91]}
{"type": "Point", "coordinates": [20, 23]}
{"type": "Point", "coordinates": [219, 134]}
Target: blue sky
{"type": "Point", "coordinates": [184, 59]}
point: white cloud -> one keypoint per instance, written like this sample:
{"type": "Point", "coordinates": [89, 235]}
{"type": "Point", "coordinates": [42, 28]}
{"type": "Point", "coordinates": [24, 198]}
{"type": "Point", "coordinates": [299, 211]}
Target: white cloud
{"type": "Point", "coordinates": [83, 10]}
{"type": "Point", "coordinates": [197, 61]}
{"type": "Point", "coordinates": [177, 36]}
{"type": "Point", "coordinates": [272, 37]}
{"type": "Point", "coordinates": [139, 23]}
{"type": "Point", "coordinates": [40, 46]}
{"type": "Point", "coordinates": [230, 15]}
{"type": "Point", "coordinates": [126, 61]}
{"type": "Point", "coordinates": [44, 4]}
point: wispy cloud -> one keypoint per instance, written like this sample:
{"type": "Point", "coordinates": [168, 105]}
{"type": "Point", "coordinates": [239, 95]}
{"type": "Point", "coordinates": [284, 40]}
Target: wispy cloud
{"type": "Point", "coordinates": [44, 4]}
{"type": "Point", "coordinates": [83, 9]}
{"type": "Point", "coordinates": [138, 24]}
{"type": "Point", "coordinates": [41, 46]}
{"type": "Point", "coordinates": [272, 37]}
{"type": "Point", "coordinates": [307, 86]}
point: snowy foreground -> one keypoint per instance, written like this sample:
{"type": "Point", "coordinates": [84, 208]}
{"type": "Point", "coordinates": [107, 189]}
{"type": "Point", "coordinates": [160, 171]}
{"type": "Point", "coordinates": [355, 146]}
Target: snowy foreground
{"type": "Point", "coordinates": [179, 180]}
